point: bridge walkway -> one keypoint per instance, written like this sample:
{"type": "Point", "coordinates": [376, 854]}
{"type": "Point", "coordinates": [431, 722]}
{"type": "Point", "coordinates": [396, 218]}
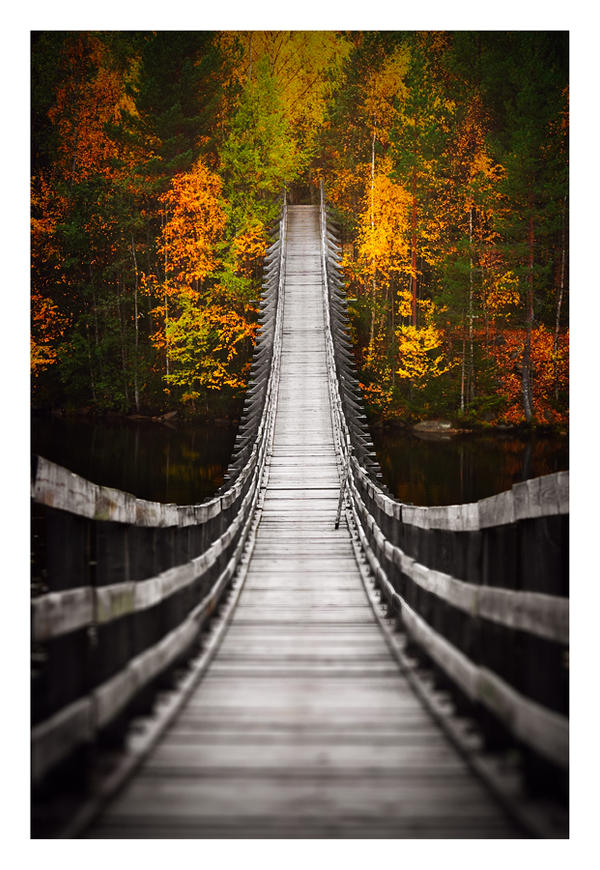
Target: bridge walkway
{"type": "Point", "coordinates": [303, 725]}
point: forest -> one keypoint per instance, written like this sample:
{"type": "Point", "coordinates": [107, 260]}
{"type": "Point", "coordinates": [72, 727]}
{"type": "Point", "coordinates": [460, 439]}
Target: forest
{"type": "Point", "coordinates": [158, 163]}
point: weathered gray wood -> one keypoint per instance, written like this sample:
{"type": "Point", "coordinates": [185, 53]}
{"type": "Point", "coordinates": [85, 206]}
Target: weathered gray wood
{"type": "Point", "coordinates": [534, 612]}
{"type": "Point", "coordinates": [57, 613]}
{"type": "Point", "coordinates": [53, 739]}
{"type": "Point", "coordinates": [562, 487]}
{"type": "Point", "coordinates": [542, 729]}
{"type": "Point", "coordinates": [303, 722]}
{"type": "Point", "coordinates": [544, 496]}
{"type": "Point", "coordinates": [60, 488]}
{"type": "Point", "coordinates": [543, 615]}
{"type": "Point", "coordinates": [60, 734]}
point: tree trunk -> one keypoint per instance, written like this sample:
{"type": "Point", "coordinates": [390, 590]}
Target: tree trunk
{"type": "Point", "coordinates": [393, 332]}
{"type": "Point", "coordinates": [373, 177]}
{"type": "Point", "coordinates": [94, 308]}
{"type": "Point", "coordinates": [136, 392]}
{"type": "Point", "coordinates": [373, 285]}
{"type": "Point", "coordinates": [471, 391]}
{"type": "Point", "coordinates": [526, 370]}
{"type": "Point", "coordinates": [97, 357]}
{"type": "Point", "coordinates": [89, 350]}
{"type": "Point", "coordinates": [166, 316]}
{"type": "Point", "coordinates": [166, 333]}
{"type": "Point", "coordinates": [372, 326]}
{"type": "Point", "coordinates": [413, 265]}
{"type": "Point", "coordinates": [123, 343]}
{"type": "Point", "coordinates": [74, 162]}
{"type": "Point", "coordinates": [462, 377]}
{"type": "Point", "coordinates": [560, 295]}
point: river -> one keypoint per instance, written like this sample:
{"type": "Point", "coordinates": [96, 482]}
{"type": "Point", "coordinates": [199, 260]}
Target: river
{"type": "Point", "coordinates": [180, 463]}
{"type": "Point", "coordinates": [185, 462]}
{"type": "Point", "coordinates": [464, 468]}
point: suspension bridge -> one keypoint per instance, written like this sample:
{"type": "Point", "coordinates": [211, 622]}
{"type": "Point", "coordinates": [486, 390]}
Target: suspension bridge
{"type": "Point", "coordinates": [301, 655]}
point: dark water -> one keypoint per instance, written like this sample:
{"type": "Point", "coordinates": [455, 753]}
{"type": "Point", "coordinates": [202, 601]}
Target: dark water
{"type": "Point", "coordinates": [183, 463]}
{"type": "Point", "coordinates": [186, 463]}
{"type": "Point", "coordinates": [464, 468]}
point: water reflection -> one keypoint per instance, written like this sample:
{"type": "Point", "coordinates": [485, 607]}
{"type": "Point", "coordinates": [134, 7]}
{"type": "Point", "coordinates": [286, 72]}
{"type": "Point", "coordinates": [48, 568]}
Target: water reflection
{"type": "Point", "coordinates": [181, 463]}
{"type": "Point", "coordinates": [186, 462]}
{"type": "Point", "coordinates": [466, 467]}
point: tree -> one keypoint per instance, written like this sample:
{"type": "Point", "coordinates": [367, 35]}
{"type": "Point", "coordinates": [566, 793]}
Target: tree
{"type": "Point", "coordinates": [528, 101]}
{"type": "Point", "coordinates": [158, 161]}
{"type": "Point", "coordinates": [193, 223]}
{"type": "Point", "coordinates": [202, 332]}
{"type": "Point", "coordinates": [260, 156]}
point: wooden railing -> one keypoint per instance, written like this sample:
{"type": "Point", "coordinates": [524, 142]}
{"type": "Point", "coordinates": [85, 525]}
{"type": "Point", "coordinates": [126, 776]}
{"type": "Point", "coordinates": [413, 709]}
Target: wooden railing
{"type": "Point", "coordinates": [121, 586]}
{"type": "Point", "coordinates": [481, 589]}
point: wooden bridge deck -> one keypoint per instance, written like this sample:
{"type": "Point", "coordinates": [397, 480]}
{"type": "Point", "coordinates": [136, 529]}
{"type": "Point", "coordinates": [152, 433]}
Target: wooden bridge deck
{"type": "Point", "coordinates": [303, 725]}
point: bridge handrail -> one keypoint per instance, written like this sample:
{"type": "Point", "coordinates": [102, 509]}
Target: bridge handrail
{"type": "Point", "coordinates": [57, 613]}
{"type": "Point", "coordinates": [137, 628]}
{"type": "Point", "coordinates": [481, 588]}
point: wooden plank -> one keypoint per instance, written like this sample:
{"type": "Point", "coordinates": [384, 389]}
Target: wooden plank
{"type": "Point", "coordinates": [311, 757]}
{"type": "Point", "coordinates": [261, 797]}
{"type": "Point", "coordinates": [58, 613]}
{"type": "Point", "coordinates": [562, 487]}
{"type": "Point", "coordinates": [303, 717]}
{"type": "Point", "coordinates": [63, 489]}
{"type": "Point", "coordinates": [275, 827]}
{"type": "Point", "coordinates": [534, 612]}
{"type": "Point", "coordinates": [537, 613]}
{"type": "Point", "coordinates": [545, 731]}
{"type": "Point", "coordinates": [56, 737]}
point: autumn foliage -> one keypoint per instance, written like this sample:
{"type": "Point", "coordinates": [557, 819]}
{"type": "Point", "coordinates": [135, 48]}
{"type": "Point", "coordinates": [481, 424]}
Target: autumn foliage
{"type": "Point", "coordinates": [551, 372]}
{"type": "Point", "coordinates": [158, 160]}
{"type": "Point", "coordinates": [193, 223]}
{"type": "Point", "coordinates": [459, 274]}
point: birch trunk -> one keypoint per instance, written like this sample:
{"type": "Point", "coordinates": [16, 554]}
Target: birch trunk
{"type": "Point", "coordinates": [97, 357]}
{"type": "Point", "coordinates": [166, 333]}
{"type": "Point", "coordinates": [166, 315]}
{"type": "Point", "coordinates": [122, 340]}
{"type": "Point", "coordinates": [526, 369]}
{"type": "Point", "coordinates": [560, 296]}
{"type": "Point", "coordinates": [74, 162]}
{"type": "Point", "coordinates": [94, 308]}
{"type": "Point", "coordinates": [136, 392]}
{"type": "Point", "coordinates": [414, 231]}
{"type": "Point", "coordinates": [373, 285]}
{"type": "Point", "coordinates": [471, 391]}
{"type": "Point", "coordinates": [413, 265]}
{"type": "Point", "coordinates": [89, 350]}
{"type": "Point", "coordinates": [462, 377]}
